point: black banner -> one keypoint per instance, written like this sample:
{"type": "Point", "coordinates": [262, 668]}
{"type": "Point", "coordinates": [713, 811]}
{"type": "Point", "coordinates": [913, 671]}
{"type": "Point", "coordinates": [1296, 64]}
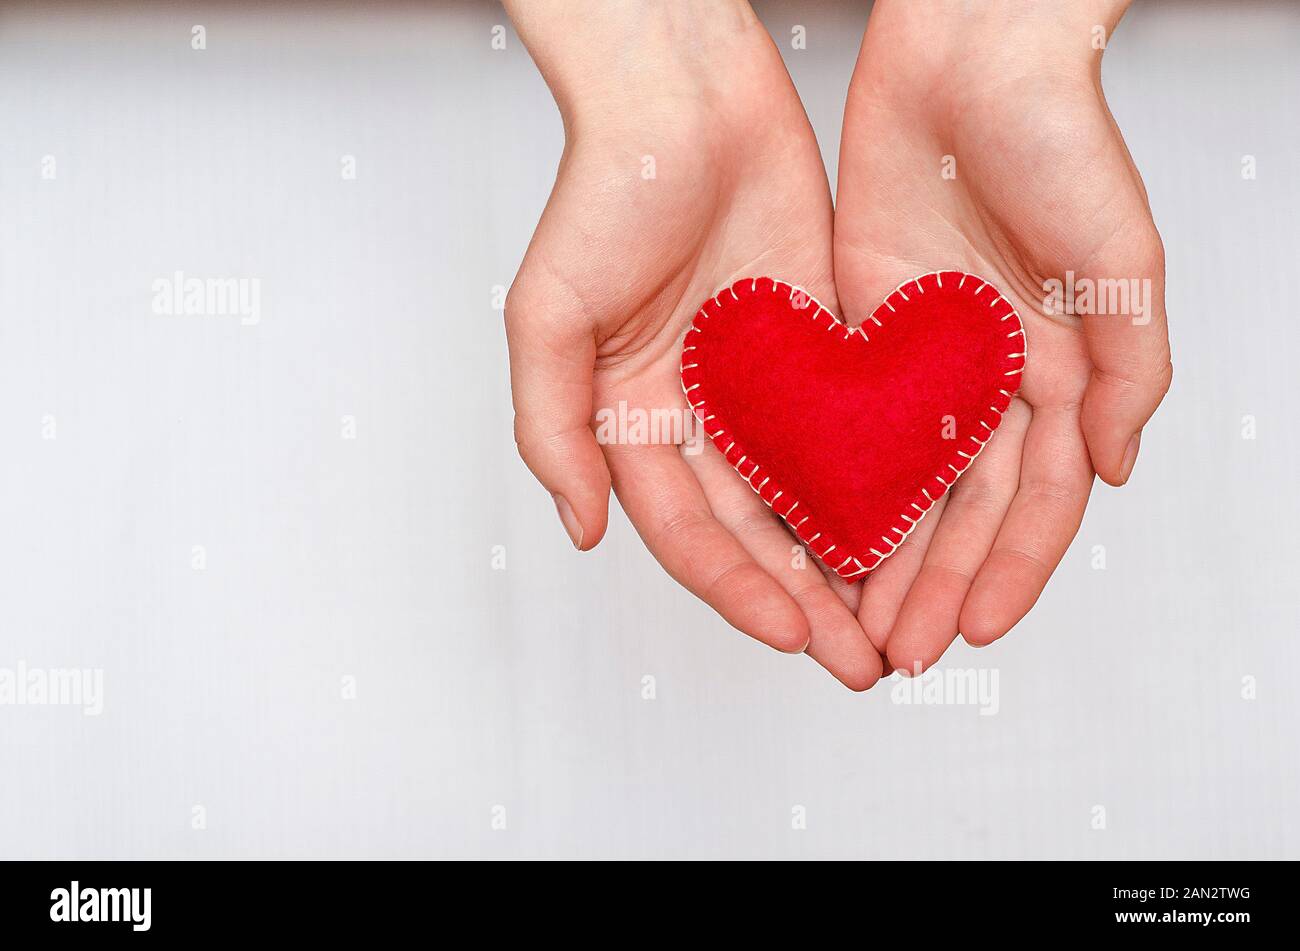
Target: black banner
{"type": "Point", "coordinates": [1175, 901]}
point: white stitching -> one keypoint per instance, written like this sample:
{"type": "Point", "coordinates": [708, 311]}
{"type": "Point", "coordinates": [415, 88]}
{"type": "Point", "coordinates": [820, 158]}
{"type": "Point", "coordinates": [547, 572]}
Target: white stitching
{"type": "Point", "coordinates": [969, 457]}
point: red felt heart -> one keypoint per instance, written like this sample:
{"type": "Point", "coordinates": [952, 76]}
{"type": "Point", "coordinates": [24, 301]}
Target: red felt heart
{"type": "Point", "coordinates": [852, 434]}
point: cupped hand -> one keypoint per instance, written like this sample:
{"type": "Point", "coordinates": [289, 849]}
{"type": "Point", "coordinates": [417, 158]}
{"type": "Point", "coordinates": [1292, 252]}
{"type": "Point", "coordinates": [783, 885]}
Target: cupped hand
{"type": "Point", "coordinates": [980, 140]}
{"type": "Point", "coordinates": [689, 163]}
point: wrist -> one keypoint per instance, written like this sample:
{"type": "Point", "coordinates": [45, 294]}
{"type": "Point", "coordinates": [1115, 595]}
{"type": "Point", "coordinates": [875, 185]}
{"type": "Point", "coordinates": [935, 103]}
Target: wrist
{"type": "Point", "coordinates": [632, 64]}
{"type": "Point", "coordinates": [973, 45]}
{"type": "Point", "coordinates": [1050, 19]}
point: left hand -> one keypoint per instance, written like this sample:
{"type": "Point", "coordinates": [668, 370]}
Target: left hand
{"type": "Point", "coordinates": [1039, 183]}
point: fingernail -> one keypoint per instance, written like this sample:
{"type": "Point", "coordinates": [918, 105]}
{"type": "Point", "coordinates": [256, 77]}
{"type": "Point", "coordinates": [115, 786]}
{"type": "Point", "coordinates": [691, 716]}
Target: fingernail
{"type": "Point", "coordinates": [1130, 456]}
{"type": "Point", "coordinates": [571, 523]}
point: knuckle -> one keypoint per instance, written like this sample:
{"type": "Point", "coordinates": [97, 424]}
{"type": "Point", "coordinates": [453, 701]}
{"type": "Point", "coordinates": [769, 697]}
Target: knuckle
{"type": "Point", "coordinates": [1138, 378]}
{"type": "Point", "coordinates": [531, 442]}
{"type": "Point", "coordinates": [1026, 557]}
{"type": "Point", "coordinates": [755, 523]}
{"type": "Point", "coordinates": [519, 304]}
{"type": "Point", "coordinates": [524, 445]}
{"type": "Point", "coordinates": [684, 521]}
{"type": "Point", "coordinates": [1058, 495]}
{"type": "Point", "coordinates": [1152, 251]}
{"type": "Point", "coordinates": [1165, 378]}
{"type": "Point", "coordinates": [534, 441]}
{"type": "Point", "coordinates": [741, 578]}
{"type": "Point", "coordinates": [806, 591]}
{"type": "Point", "coordinates": [978, 495]}
{"type": "Point", "coordinates": [530, 299]}
{"type": "Point", "coordinates": [951, 572]}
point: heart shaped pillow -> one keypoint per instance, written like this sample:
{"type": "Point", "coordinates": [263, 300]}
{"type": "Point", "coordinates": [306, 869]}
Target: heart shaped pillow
{"type": "Point", "coordinates": [852, 434]}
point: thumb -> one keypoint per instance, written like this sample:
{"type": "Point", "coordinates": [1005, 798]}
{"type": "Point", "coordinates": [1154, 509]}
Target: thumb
{"type": "Point", "coordinates": [552, 356]}
{"type": "Point", "coordinates": [1128, 342]}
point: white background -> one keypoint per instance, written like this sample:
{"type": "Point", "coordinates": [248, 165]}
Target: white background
{"type": "Point", "coordinates": [371, 558]}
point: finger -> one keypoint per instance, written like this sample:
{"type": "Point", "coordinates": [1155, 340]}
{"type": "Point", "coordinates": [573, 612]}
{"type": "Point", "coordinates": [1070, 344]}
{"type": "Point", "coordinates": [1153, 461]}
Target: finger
{"type": "Point", "coordinates": [552, 356]}
{"type": "Point", "coordinates": [1128, 342]}
{"type": "Point", "coordinates": [885, 588]}
{"type": "Point", "coordinates": [850, 592]}
{"type": "Point", "coordinates": [663, 498]}
{"type": "Point", "coordinates": [977, 504]}
{"type": "Point", "coordinates": [836, 640]}
{"type": "Point", "coordinates": [1055, 479]}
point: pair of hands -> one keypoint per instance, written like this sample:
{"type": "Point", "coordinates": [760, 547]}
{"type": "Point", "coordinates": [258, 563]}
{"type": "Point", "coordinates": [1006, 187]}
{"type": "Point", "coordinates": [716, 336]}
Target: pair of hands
{"type": "Point", "coordinates": [976, 137]}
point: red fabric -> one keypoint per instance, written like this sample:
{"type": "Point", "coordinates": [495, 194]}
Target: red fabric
{"type": "Point", "coordinates": [852, 434]}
